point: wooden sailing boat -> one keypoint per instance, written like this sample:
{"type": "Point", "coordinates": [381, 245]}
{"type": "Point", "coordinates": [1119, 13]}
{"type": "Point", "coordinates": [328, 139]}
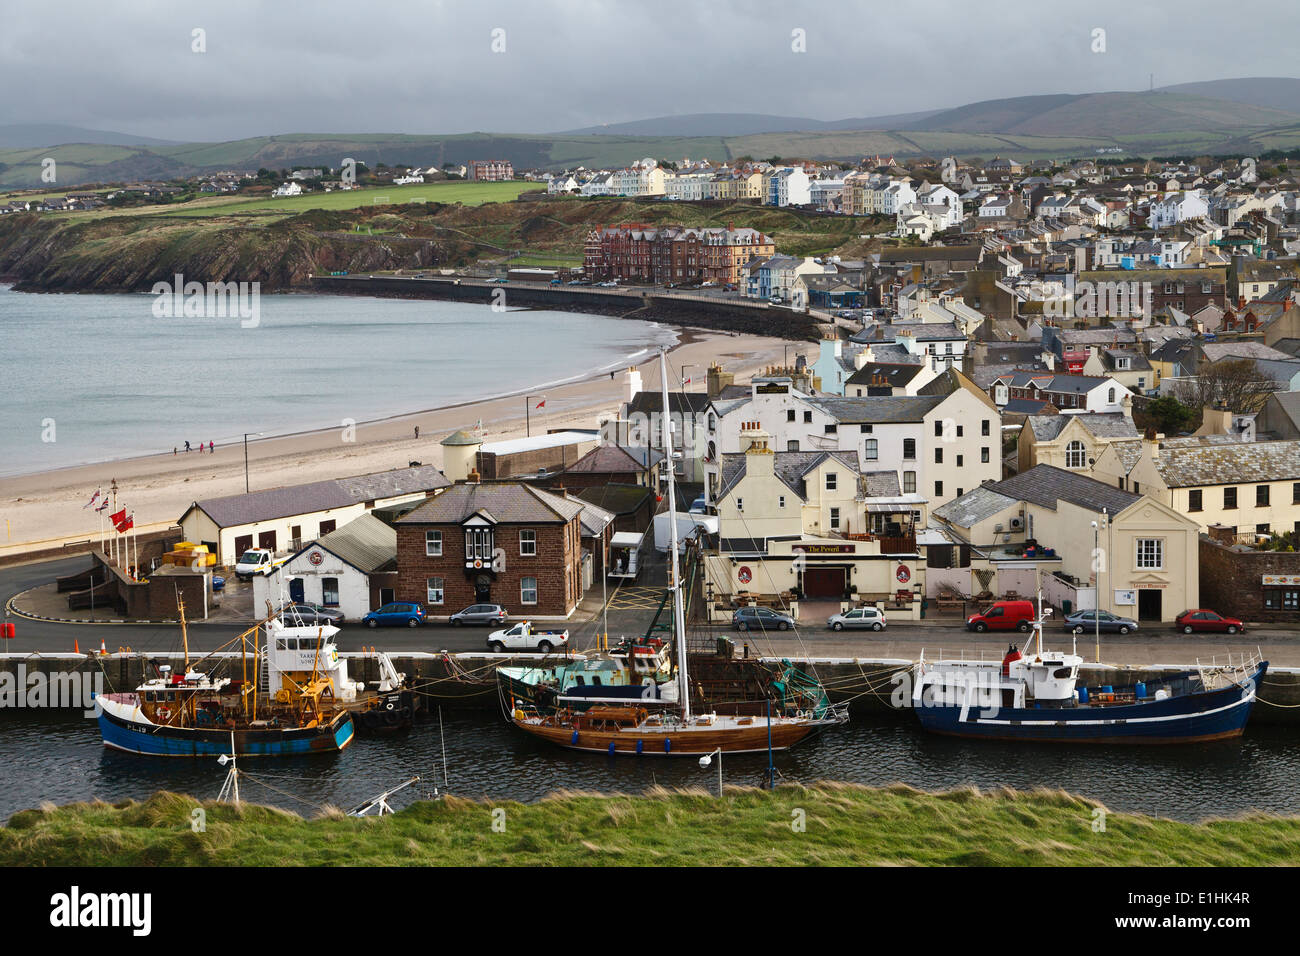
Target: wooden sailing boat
{"type": "Point", "coordinates": [675, 730]}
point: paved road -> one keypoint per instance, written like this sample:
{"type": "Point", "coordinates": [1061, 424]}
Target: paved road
{"type": "Point", "coordinates": [630, 613]}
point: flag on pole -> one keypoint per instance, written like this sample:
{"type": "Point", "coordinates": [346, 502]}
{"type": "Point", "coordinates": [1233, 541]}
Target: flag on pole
{"type": "Point", "coordinates": [118, 518]}
{"type": "Point", "coordinates": [103, 506]}
{"type": "Point", "coordinates": [127, 524]}
{"type": "Point", "coordinates": [541, 403]}
{"type": "Point", "coordinates": [93, 499]}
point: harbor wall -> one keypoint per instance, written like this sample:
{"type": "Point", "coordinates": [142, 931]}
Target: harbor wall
{"type": "Point", "coordinates": [465, 681]}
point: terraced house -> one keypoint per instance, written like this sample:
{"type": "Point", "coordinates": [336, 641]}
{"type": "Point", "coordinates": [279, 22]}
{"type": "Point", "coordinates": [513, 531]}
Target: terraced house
{"type": "Point", "coordinates": [677, 254]}
{"type": "Point", "coordinates": [1249, 488]}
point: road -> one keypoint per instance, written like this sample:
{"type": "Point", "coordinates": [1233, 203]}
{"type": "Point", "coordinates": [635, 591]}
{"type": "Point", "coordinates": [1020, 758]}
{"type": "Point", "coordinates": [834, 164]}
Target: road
{"type": "Point", "coordinates": [630, 612]}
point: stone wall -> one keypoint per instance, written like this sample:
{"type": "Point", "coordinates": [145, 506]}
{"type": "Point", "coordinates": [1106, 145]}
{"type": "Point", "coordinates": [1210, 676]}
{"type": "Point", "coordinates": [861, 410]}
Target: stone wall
{"type": "Point", "coordinates": [1231, 581]}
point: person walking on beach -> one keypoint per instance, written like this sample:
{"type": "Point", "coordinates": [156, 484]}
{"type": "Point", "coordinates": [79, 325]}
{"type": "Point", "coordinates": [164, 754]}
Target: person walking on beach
{"type": "Point", "coordinates": [187, 446]}
{"type": "Point", "coordinates": [212, 448]}
{"type": "Point", "coordinates": [417, 431]}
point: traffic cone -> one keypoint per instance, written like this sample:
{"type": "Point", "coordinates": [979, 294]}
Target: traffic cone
{"type": "Point", "coordinates": [102, 649]}
{"type": "Point", "coordinates": [76, 647]}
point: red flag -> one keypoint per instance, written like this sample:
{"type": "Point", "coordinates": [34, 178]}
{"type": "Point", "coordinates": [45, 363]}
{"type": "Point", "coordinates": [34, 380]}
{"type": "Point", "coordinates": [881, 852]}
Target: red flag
{"type": "Point", "coordinates": [541, 403]}
{"type": "Point", "coordinates": [127, 524]}
{"type": "Point", "coordinates": [118, 518]}
{"type": "Point", "coordinates": [93, 499]}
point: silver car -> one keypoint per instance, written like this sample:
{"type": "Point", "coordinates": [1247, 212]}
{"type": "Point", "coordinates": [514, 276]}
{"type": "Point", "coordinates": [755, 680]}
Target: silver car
{"type": "Point", "coordinates": [869, 617]}
{"type": "Point", "coordinates": [481, 614]}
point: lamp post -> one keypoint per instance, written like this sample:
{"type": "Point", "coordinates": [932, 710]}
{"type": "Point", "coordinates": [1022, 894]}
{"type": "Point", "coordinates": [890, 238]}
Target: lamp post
{"type": "Point", "coordinates": [708, 759]}
{"type": "Point", "coordinates": [246, 434]}
{"type": "Point", "coordinates": [528, 428]}
{"type": "Point", "coordinates": [683, 378]}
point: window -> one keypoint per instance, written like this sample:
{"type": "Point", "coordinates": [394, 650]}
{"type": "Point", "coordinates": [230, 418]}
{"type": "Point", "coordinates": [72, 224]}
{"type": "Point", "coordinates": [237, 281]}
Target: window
{"type": "Point", "coordinates": [1263, 528]}
{"type": "Point", "coordinates": [1194, 500]}
{"type": "Point", "coordinates": [1150, 554]}
{"type": "Point", "coordinates": [434, 590]}
{"type": "Point", "coordinates": [792, 445]}
{"type": "Point", "coordinates": [959, 431]}
{"type": "Point", "coordinates": [1229, 498]}
{"type": "Point", "coordinates": [938, 489]}
{"type": "Point", "coordinates": [938, 456]}
{"type": "Point", "coordinates": [959, 464]}
{"type": "Point", "coordinates": [984, 427]}
{"type": "Point", "coordinates": [1295, 493]}
{"type": "Point", "coordinates": [1261, 496]}
{"type": "Point", "coordinates": [1110, 396]}
{"type": "Point", "coordinates": [938, 428]}
{"type": "Point", "coordinates": [871, 450]}
{"type": "Point", "coordinates": [909, 482]}
{"type": "Point", "coordinates": [1075, 455]}
{"type": "Point", "coordinates": [789, 415]}
{"type": "Point", "coordinates": [832, 428]}
{"type": "Point", "coordinates": [835, 519]}
{"type": "Point", "coordinates": [478, 544]}
{"type": "Point", "coordinates": [433, 544]}
{"type": "Point", "coordinates": [329, 592]}
{"type": "Point", "coordinates": [1277, 599]}
{"type": "Point", "coordinates": [865, 429]}
{"type": "Point", "coordinates": [960, 492]}
{"type": "Point", "coordinates": [909, 449]}
{"type": "Point", "coordinates": [740, 504]}
{"type": "Point", "coordinates": [807, 416]}
{"type": "Point", "coordinates": [984, 456]}
{"type": "Point", "coordinates": [831, 479]}
{"type": "Point", "coordinates": [528, 590]}
{"type": "Point", "coordinates": [780, 501]}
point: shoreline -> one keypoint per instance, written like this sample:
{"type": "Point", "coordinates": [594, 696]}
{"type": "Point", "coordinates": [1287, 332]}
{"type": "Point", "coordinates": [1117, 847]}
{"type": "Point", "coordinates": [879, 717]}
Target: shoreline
{"type": "Point", "coordinates": [46, 506]}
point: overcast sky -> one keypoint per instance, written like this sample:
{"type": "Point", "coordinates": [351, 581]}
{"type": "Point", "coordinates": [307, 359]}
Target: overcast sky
{"type": "Point", "coordinates": [429, 67]}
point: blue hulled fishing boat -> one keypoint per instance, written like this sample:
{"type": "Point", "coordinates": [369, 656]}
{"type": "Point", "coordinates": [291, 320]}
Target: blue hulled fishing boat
{"type": "Point", "coordinates": [1035, 696]}
{"type": "Point", "coordinates": [194, 714]}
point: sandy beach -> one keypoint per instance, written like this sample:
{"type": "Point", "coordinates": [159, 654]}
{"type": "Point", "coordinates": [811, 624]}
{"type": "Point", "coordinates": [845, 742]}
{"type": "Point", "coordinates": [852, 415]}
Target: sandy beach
{"type": "Point", "coordinates": [45, 509]}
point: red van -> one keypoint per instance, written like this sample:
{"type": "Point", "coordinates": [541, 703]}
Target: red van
{"type": "Point", "coordinates": [1003, 616]}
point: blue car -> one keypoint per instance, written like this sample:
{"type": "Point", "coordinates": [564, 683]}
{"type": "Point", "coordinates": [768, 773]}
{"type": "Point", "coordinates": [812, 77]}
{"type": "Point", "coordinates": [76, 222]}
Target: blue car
{"type": "Point", "coordinates": [399, 612]}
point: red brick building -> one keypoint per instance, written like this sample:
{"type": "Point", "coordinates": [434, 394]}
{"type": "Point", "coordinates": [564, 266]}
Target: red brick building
{"type": "Point", "coordinates": [503, 542]}
{"type": "Point", "coordinates": [489, 170]}
{"type": "Point", "coordinates": [677, 254]}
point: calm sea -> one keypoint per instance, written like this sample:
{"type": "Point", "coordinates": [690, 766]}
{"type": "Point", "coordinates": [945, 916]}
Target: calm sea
{"type": "Point", "coordinates": [104, 378]}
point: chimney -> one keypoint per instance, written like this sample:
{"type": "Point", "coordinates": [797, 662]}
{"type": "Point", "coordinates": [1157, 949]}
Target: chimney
{"type": "Point", "coordinates": [1127, 403]}
{"type": "Point", "coordinates": [718, 380]}
{"type": "Point", "coordinates": [473, 477]}
{"type": "Point", "coordinates": [633, 384]}
{"type": "Point", "coordinates": [1151, 442]}
{"type": "Point", "coordinates": [759, 459]}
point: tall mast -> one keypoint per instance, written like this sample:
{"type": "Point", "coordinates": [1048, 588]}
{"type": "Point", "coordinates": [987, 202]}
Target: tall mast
{"type": "Point", "coordinates": [679, 628]}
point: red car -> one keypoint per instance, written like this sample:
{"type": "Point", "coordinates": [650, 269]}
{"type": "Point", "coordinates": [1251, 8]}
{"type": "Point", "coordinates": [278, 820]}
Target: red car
{"type": "Point", "coordinates": [1202, 619]}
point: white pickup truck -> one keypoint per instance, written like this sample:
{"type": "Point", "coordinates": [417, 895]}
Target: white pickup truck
{"type": "Point", "coordinates": [256, 561]}
{"type": "Point", "coordinates": [522, 637]}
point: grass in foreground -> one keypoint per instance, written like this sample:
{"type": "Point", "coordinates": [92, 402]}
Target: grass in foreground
{"type": "Point", "coordinates": [843, 824]}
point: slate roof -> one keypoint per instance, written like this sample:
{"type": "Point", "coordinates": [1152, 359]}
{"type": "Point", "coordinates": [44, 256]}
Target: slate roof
{"type": "Point", "coordinates": [877, 409]}
{"type": "Point", "coordinates": [1229, 463]}
{"type": "Point", "coordinates": [507, 502]}
{"type": "Point", "coordinates": [233, 510]}
{"type": "Point", "coordinates": [896, 376]}
{"type": "Point", "coordinates": [788, 466]}
{"type": "Point", "coordinates": [974, 506]}
{"type": "Point", "coordinates": [614, 459]}
{"type": "Point", "coordinates": [594, 518]}
{"type": "Point", "coordinates": [365, 542]}
{"type": "Point", "coordinates": [1046, 485]}
{"type": "Point", "coordinates": [618, 498]}
{"type": "Point", "coordinates": [648, 403]}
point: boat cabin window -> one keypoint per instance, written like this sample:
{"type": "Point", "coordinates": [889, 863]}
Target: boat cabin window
{"type": "Point", "coordinates": [595, 680]}
{"type": "Point", "coordinates": [580, 680]}
{"type": "Point", "coordinates": [1061, 673]}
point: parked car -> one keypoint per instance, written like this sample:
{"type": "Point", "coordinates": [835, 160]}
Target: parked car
{"type": "Point", "coordinates": [499, 281]}
{"type": "Point", "coordinates": [480, 614]}
{"type": "Point", "coordinates": [300, 613]}
{"type": "Point", "coordinates": [762, 619]}
{"type": "Point", "coordinates": [1203, 619]}
{"type": "Point", "coordinates": [1083, 622]}
{"type": "Point", "coordinates": [699, 506]}
{"type": "Point", "coordinates": [871, 617]}
{"type": "Point", "coordinates": [522, 637]}
{"type": "Point", "coordinates": [1003, 616]}
{"type": "Point", "coordinates": [399, 612]}
{"type": "Point", "coordinates": [256, 561]}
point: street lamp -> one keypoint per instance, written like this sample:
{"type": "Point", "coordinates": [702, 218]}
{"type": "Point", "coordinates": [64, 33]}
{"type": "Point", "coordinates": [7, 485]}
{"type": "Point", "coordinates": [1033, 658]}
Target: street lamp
{"type": "Point", "coordinates": [246, 434]}
{"type": "Point", "coordinates": [707, 759]}
{"type": "Point", "coordinates": [528, 428]}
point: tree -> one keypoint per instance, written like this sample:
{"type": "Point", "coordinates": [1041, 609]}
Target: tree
{"type": "Point", "coordinates": [1234, 384]}
{"type": "Point", "coordinates": [1168, 415]}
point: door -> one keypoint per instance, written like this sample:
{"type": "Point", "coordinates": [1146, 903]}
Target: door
{"type": "Point", "coordinates": [483, 589]}
{"type": "Point", "coordinates": [1150, 603]}
{"type": "Point", "coordinates": [266, 540]}
{"type": "Point", "coordinates": [243, 543]}
{"type": "Point", "coordinates": [296, 594]}
{"type": "Point", "coordinates": [823, 582]}
{"type": "Point", "coordinates": [386, 596]}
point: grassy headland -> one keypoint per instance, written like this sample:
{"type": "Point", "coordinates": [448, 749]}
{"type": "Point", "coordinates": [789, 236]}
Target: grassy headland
{"type": "Point", "coordinates": [843, 824]}
{"type": "Point", "coordinates": [250, 242]}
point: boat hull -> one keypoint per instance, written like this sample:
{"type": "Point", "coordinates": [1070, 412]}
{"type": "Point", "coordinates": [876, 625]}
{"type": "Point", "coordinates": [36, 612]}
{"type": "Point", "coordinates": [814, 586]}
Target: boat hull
{"type": "Point", "coordinates": [1194, 718]}
{"type": "Point", "coordinates": [121, 732]}
{"type": "Point", "coordinates": [674, 741]}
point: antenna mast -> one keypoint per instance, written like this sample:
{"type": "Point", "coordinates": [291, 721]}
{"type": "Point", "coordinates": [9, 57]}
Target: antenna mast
{"type": "Point", "coordinates": [679, 628]}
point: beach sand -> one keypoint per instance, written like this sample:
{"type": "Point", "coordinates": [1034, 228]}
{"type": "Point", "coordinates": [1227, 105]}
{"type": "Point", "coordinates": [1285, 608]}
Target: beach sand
{"type": "Point", "coordinates": [45, 509]}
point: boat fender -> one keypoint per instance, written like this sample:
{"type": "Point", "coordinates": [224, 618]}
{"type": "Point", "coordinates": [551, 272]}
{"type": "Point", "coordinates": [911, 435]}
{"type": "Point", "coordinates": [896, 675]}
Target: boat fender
{"type": "Point", "coordinates": [668, 745]}
{"type": "Point", "coordinates": [164, 712]}
{"type": "Point", "coordinates": [611, 748]}
{"type": "Point", "coordinates": [519, 714]}
{"type": "Point", "coordinates": [639, 745]}
{"type": "Point", "coordinates": [388, 706]}
{"type": "Point", "coordinates": [574, 738]}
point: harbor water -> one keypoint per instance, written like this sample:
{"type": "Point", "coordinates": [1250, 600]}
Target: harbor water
{"type": "Point", "coordinates": [58, 757]}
